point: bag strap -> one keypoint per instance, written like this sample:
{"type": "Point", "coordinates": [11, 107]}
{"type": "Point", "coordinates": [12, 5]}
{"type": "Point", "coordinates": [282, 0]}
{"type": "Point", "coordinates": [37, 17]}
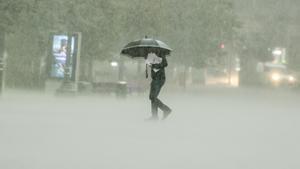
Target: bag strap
{"type": "Point", "coordinates": [146, 71]}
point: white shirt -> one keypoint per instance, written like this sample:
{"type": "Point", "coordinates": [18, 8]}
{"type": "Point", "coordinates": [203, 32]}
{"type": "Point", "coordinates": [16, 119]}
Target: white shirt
{"type": "Point", "coordinates": [152, 58]}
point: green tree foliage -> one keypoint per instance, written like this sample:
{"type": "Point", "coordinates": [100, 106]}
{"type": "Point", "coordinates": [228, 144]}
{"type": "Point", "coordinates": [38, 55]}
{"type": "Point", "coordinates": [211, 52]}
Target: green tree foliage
{"type": "Point", "coordinates": [267, 24]}
{"type": "Point", "coordinates": [194, 29]}
{"type": "Point", "coordinates": [201, 29]}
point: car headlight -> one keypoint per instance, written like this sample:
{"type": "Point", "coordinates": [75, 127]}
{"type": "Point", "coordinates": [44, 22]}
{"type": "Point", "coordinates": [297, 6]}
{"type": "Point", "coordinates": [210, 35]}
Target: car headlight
{"type": "Point", "coordinates": [292, 78]}
{"type": "Point", "coordinates": [275, 77]}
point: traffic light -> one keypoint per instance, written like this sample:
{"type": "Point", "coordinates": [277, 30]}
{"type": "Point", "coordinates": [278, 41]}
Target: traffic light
{"type": "Point", "coordinates": [222, 45]}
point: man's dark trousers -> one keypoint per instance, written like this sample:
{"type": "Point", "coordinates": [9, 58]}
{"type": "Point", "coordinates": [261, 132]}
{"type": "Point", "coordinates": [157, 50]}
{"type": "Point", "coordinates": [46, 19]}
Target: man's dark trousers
{"type": "Point", "coordinates": [156, 86]}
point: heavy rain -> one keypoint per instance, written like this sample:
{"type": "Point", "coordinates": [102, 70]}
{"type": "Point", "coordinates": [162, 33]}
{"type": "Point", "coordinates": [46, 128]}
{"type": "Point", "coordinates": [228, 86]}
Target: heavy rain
{"type": "Point", "coordinates": [149, 84]}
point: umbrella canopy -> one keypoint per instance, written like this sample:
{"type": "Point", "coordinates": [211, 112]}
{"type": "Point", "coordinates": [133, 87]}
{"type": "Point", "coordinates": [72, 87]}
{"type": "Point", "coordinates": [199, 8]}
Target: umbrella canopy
{"type": "Point", "coordinates": [140, 48]}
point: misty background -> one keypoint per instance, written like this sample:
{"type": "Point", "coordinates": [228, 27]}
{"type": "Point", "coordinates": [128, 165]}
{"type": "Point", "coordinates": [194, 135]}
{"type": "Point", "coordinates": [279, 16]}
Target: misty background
{"type": "Point", "coordinates": [196, 30]}
{"type": "Point", "coordinates": [232, 82]}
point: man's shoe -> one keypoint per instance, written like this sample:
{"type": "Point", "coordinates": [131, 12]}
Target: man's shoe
{"type": "Point", "coordinates": [152, 118]}
{"type": "Point", "coordinates": [167, 113]}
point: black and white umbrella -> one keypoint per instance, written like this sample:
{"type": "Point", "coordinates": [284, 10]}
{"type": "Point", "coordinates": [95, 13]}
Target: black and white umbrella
{"type": "Point", "coordinates": [140, 48]}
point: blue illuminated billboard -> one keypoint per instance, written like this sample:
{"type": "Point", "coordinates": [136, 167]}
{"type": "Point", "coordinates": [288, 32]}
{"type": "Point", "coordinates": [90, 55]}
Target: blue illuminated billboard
{"type": "Point", "coordinates": [59, 55]}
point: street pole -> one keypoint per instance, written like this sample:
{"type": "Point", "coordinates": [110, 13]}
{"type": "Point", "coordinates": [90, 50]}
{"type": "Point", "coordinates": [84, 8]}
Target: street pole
{"type": "Point", "coordinates": [230, 69]}
{"type": "Point", "coordinates": [2, 70]}
{"type": "Point", "coordinates": [2, 63]}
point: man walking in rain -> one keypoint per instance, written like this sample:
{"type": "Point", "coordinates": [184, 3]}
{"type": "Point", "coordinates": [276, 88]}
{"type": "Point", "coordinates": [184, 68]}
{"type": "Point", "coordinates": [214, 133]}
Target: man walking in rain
{"type": "Point", "coordinates": [157, 63]}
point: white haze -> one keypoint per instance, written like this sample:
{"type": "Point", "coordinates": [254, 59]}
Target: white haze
{"type": "Point", "coordinates": [211, 129]}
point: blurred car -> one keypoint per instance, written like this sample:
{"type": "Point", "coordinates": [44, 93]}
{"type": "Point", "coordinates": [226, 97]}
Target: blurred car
{"type": "Point", "coordinates": [280, 77]}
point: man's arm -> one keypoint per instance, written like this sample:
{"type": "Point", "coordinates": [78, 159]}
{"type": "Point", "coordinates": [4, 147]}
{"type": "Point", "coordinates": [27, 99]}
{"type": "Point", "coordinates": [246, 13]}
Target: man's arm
{"type": "Point", "coordinates": [161, 65]}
